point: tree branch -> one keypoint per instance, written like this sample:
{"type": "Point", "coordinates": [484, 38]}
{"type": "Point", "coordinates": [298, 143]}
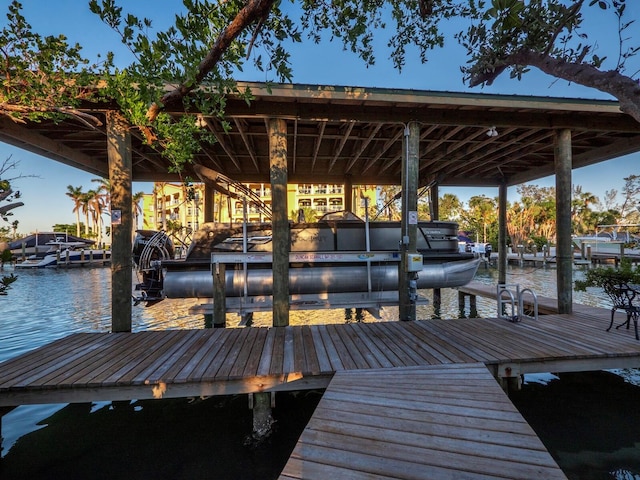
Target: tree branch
{"type": "Point", "coordinates": [253, 11]}
{"type": "Point", "coordinates": [11, 206]}
{"type": "Point", "coordinates": [625, 89]}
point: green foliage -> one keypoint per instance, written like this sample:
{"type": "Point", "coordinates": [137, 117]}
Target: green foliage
{"type": "Point", "coordinates": [5, 256]}
{"type": "Point", "coordinates": [66, 227]}
{"type": "Point", "coordinates": [601, 276]}
{"type": "Point", "coordinates": [552, 28]}
{"type": "Point", "coordinates": [5, 283]}
{"type": "Point", "coordinates": [42, 76]}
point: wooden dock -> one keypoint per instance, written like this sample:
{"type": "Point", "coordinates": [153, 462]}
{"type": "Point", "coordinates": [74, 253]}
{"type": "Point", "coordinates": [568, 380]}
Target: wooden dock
{"type": "Point", "coordinates": [546, 305]}
{"type": "Point", "coordinates": [88, 367]}
{"type": "Point", "coordinates": [438, 422]}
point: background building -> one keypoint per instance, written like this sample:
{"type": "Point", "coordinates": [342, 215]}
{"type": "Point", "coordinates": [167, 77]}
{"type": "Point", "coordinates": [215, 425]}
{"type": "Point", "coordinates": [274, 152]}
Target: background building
{"type": "Point", "coordinates": [174, 207]}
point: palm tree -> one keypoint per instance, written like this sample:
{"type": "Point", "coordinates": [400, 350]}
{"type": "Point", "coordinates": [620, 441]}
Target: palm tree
{"type": "Point", "coordinates": [76, 194]}
{"type": "Point", "coordinates": [85, 202]}
{"type": "Point", "coordinates": [101, 203]}
{"type": "Point", "coordinates": [137, 208]}
{"type": "Point", "coordinates": [158, 189]}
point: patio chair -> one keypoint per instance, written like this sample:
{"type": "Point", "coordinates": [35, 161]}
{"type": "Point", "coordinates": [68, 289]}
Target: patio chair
{"type": "Point", "coordinates": [622, 296]}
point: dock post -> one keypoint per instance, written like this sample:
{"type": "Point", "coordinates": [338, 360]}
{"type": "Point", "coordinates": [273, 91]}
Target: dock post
{"type": "Point", "coordinates": [280, 221]}
{"type": "Point", "coordinates": [473, 306]}
{"type": "Point", "coordinates": [461, 297]}
{"type": "Point", "coordinates": [219, 295]}
{"type": "Point", "coordinates": [120, 175]}
{"type": "Point", "coordinates": [564, 249]}
{"type": "Point", "coordinates": [261, 403]}
{"type": "Point", "coordinates": [437, 302]}
{"type": "Point", "coordinates": [502, 233]}
{"type": "Point", "coordinates": [409, 223]}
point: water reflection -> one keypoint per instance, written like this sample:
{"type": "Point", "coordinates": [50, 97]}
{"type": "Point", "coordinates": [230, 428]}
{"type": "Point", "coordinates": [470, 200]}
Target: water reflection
{"type": "Point", "coordinates": [588, 421]}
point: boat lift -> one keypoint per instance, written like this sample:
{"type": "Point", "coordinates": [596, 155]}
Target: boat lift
{"type": "Point", "coordinates": [245, 305]}
{"type": "Point", "coordinates": [371, 300]}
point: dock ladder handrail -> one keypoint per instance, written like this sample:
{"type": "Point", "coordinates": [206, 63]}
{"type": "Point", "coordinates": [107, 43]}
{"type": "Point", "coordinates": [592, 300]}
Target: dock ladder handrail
{"type": "Point", "coordinates": [513, 294]}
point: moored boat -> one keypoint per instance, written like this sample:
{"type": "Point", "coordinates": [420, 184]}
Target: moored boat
{"type": "Point", "coordinates": [66, 254]}
{"type": "Point", "coordinates": [339, 253]}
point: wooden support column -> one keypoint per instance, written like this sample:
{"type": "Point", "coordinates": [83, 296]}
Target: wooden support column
{"type": "Point", "coordinates": [209, 203]}
{"type": "Point", "coordinates": [261, 403]}
{"type": "Point", "coordinates": [408, 244]}
{"type": "Point", "coordinates": [564, 251]}
{"type": "Point", "coordinates": [219, 296]}
{"type": "Point", "coordinates": [280, 220]}
{"type": "Point", "coordinates": [434, 203]}
{"type": "Point", "coordinates": [348, 194]}
{"type": "Point", "coordinates": [502, 234]}
{"type": "Point", "coordinates": [120, 176]}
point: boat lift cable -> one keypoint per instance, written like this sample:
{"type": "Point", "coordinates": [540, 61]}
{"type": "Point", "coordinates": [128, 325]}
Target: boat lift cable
{"type": "Point", "coordinates": [232, 188]}
{"type": "Point", "coordinates": [398, 195]}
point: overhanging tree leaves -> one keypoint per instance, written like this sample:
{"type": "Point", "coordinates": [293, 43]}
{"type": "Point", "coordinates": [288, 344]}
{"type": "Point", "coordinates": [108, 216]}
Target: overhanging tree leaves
{"type": "Point", "coordinates": [547, 34]}
{"type": "Point", "coordinates": [192, 65]}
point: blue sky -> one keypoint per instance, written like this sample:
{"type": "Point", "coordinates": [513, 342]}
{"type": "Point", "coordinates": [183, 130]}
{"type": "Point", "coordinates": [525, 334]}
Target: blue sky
{"type": "Point", "coordinates": [44, 190]}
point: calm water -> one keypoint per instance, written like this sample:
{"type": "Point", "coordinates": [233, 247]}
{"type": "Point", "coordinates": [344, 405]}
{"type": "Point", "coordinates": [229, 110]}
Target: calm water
{"type": "Point", "coordinates": [590, 422]}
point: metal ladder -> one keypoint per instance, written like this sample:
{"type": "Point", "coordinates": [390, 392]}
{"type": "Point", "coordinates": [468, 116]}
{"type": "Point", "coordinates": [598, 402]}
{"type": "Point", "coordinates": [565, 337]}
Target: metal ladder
{"type": "Point", "coordinates": [513, 296]}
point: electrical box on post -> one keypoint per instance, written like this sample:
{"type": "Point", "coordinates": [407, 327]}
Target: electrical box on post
{"type": "Point", "coordinates": [414, 262]}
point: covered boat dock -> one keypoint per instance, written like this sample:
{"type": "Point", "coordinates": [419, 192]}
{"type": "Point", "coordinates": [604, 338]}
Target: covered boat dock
{"type": "Point", "coordinates": [345, 134]}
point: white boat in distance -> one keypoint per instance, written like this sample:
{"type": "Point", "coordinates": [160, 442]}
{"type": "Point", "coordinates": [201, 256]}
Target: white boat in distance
{"type": "Point", "coordinates": [67, 254]}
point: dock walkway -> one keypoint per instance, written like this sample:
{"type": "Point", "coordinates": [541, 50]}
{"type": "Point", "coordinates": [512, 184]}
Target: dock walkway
{"type": "Point", "coordinates": [437, 422]}
{"type": "Point", "coordinates": [89, 367]}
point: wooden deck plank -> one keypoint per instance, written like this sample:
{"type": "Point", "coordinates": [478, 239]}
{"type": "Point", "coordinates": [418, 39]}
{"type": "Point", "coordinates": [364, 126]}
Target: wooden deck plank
{"type": "Point", "coordinates": [244, 344]}
{"type": "Point", "coordinates": [310, 353]}
{"type": "Point", "coordinates": [160, 372]}
{"type": "Point", "coordinates": [252, 363]}
{"type": "Point", "coordinates": [119, 361]}
{"type": "Point", "coordinates": [239, 363]}
{"type": "Point", "coordinates": [97, 366]}
{"type": "Point", "coordinates": [373, 347]}
{"type": "Point", "coordinates": [416, 354]}
{"type": "Point", "coordinates": [445, 352]}
{"type": "Point", "coordinates": [39, 359]}
{"type": "Point", "coordinates": [299, 356]}
{"type": "Point", "coordinates": [277, 360]}
{"type": "Point", "coordinates": [212, 341]}
{"type": "Point", "coordinates": [465, 422]}
{"type": "Point", "coordinates": [191, 355]}
{"type": "Point", "coordinates": [341, 349]}
{"type": "Point", "coordinates": [151, 357]}
{"type": "Point", "coordinates": [332, 352]}
{"type": "Point", "coordinates": [390, 433]}
{"type": "Point", "coordinates": [360, 356]}
{"type": "Point", "coordinates": [207, 369]}
{"type": "Point", "coordinates": [267, 354]}
{"type": "Point", "coordinates": [52, 366]}
{"type": "Point", "coordinates": [323, 356]}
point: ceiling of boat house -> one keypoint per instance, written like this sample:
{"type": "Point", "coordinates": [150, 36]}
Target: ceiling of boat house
{"type": "Point", "coordinates": [339, 132]}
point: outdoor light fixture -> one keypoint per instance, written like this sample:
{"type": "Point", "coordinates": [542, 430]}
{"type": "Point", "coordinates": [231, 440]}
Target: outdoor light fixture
{"type": "Point", "coordinates": [492, 132]}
